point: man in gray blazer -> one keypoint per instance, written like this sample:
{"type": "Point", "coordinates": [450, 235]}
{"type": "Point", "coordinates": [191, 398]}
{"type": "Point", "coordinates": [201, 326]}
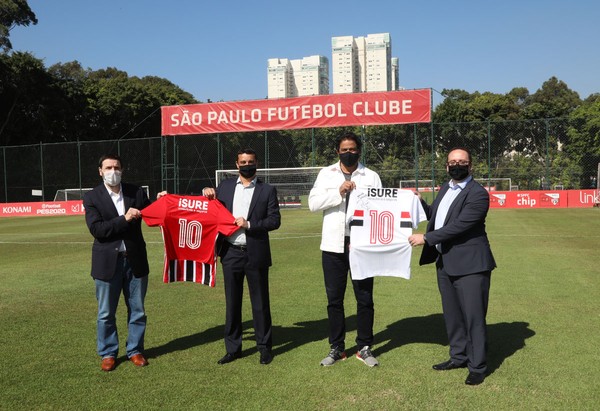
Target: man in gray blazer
{"type": "Point", "coordinates": [457, 242]}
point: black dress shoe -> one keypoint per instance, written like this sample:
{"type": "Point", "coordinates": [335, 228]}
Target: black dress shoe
{"type": "Point", "coordinates": [475, 378]}
{"type": "Point", "coordinates": [448, 365]}
{"type": "Point", "coordinates": [227, 358]}
{"type": "Point", "coordinates": [266, 356]}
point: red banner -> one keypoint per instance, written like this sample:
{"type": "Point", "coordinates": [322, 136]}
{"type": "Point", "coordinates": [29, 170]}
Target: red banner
{"type": "Point", "coordinates": [49, 208]}
{"type": "Point", "coordinates": [544, 199]}
{"type": "Point", "coordinates": [334, 110]}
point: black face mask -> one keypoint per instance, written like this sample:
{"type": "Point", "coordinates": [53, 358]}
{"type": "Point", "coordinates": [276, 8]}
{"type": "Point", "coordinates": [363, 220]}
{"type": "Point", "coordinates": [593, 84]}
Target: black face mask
{"type": "Point", "coordinates": [349, 159]}
{"type": "Point", "coordinates": [248, 171]}
{"type": "Point", "coordinates": [458, 172]}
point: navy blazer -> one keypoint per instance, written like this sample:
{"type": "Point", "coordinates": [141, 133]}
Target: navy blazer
{"type": "Point", "coordinates": [464, 243]}
{"type": "Point", "coordinates": [263, 216]}
{"type": "Point", "coordinates": [109, 229]}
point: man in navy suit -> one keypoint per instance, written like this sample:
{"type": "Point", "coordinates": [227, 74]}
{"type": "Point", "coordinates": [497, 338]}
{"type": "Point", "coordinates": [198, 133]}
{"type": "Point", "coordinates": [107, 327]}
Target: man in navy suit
{"type": "Point", "coordinates": [457, 242]}
{"type": "Point", "coordinates": [247, 253]}
{"type": "Point", "coordinates": [119, 260]}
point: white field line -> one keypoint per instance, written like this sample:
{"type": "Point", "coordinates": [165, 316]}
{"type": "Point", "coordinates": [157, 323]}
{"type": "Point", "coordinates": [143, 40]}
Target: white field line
{"type": "Point", "coordinates": [147, 242]}
{"type": "Point", "coordinates": [273, 238]}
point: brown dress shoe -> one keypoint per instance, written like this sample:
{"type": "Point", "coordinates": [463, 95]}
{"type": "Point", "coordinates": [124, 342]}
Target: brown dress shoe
{"type": "Point", "coordinates": [108, 364]}
{"type": "Point", "coordinates": [138, 360]}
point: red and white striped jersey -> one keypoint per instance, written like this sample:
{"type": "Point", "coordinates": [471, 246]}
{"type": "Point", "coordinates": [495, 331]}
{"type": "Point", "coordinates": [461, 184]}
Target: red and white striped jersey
{"type": "Point", "coordinates": [190, 226]}
{"type": "Point", "coordinates": [381, 220]}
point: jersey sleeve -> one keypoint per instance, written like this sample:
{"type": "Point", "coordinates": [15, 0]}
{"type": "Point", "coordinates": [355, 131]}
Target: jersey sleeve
{"type": "Point", "coordinates": [412, 202]}
{"type": "Point", "coordinates": [417, 211]}
{"type": "Point", "coordinates": [357, 203]}
{"type": "Point", "coordinates": [226, 221]}
{"type": "Point", "coordinates": [154, 214]}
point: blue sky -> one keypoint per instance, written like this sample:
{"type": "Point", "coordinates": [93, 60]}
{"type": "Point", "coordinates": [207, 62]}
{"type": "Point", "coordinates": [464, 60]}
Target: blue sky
{"type": "Point", "coordinates": [218, 50]}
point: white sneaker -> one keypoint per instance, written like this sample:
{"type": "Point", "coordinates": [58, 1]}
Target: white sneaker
{"type": "Point", "coordinates": [334, 356]}
{"type": "Point", "coordinates": [367, 357]}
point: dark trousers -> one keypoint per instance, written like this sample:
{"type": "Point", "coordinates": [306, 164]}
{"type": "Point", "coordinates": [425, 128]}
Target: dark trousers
{"type": "Point", "coordinates": [464, 304]}
{"type": "Point", "coordinates": [336, 267]}
{"type": "Point", "coordinates": [235, 268]}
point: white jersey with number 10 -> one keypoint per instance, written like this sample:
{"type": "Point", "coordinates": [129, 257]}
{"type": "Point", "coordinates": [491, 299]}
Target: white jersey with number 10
{"type": "Point", "coordinates": [381, 220]}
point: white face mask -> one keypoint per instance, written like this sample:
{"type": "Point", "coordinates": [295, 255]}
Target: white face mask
{"type": "Point", "coordinates": [112, 177]}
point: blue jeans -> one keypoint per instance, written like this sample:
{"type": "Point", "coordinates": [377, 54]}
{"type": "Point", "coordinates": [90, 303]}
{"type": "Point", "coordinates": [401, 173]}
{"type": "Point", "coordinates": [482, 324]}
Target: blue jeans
{"type": "Point", "coordinates": [107, 294]}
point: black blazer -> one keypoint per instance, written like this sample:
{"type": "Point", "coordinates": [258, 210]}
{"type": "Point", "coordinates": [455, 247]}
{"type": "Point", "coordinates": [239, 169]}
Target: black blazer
{"type": "Point", "coordinates": [464, 243]}
{"type": "Point", "coordinates": [109, 229]}
{"type": "Point", "coordinates": [263, 216]}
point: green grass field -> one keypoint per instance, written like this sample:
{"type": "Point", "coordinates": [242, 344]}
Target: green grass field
{"type": "Point", "coordinates": [544, 327]}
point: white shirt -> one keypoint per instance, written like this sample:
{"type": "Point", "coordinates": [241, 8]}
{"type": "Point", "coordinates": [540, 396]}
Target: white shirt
{"type": "Point", "coordinates": [453, 191]}
{"type": "Point", "coordinates": [241, 205]}
{"type": "Point", "coordinates": [325, 196]}
{"type": "Point", "coordinates": [117, 199]}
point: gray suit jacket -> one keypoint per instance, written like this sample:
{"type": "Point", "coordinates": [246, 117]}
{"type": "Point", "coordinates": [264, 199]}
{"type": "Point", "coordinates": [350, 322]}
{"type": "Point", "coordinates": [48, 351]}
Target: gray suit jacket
{"type": "Point", "coordinates": [263, 216]}
{"type": "Point", "coordinates": [464, 243]}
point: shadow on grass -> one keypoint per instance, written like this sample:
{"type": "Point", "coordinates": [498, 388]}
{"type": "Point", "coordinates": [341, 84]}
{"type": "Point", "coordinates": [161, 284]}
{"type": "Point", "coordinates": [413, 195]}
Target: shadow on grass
{"type": "Point", "coordinates": [284, 338]}
{"type": "Point", "coordinates": [305, 332]}
{"type": "Point", "coordinates": [427, 329]}
{"type": "Point", "coordinates": [190, 341]}
{"type": "Point", "coordinates": [504, 339]}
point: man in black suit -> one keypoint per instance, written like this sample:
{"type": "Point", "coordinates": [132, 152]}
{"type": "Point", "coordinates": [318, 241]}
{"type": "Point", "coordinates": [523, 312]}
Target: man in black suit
{"type": "Point", "coordinates": [457, 242]}
{"type": "Point", "coordinates": [247, 253]}
{"type": "Point", "coordinates": [119, 260]}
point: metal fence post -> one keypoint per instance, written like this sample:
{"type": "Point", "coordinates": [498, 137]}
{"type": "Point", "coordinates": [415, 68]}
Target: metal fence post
{"type": "Point", "coordinates": [489, 136]}
{"type": "Point", "coordinates": [266, 150]}
{"type": "Point", "coordinates": [416, 157]}
{"type": "Point", "coordinates": [79, 166]}
{"type": "Point", "coordinates": [5, 178]}
{"type": "Point", "coordinates": [219, 154]}
{"type": "Point", "coordinates": [432, 159]}
{"type": "Point", "coordinates": [312, 145]}
{"type": "Point", "coordinates": [42, 169]}
{"type": "Point", "coordinates": [546, 165]}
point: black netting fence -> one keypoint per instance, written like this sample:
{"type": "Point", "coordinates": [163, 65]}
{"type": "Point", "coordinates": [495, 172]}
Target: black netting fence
{"type": "Point", "coordinates": [535, 154]}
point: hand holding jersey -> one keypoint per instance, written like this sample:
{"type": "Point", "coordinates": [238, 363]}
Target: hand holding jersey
{"type": "Point", "coordinates": [190, 226]}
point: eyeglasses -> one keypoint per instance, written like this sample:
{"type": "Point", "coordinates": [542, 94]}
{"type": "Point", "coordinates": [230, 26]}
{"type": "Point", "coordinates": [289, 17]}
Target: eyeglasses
{"type": "Point", "coordinates": [458, 163]}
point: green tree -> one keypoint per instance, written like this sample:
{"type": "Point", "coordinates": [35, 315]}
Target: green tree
{"type": "Point", "coordinates": [25, 95]}
{"type": "Point", "coordinates": [120, 106]}
{"type": "Point", "coordinates": [553, 100]}
{"type": "Point", "coordinates": [584, 139]}
{"type": "Point", "coordinates": [13, 13]}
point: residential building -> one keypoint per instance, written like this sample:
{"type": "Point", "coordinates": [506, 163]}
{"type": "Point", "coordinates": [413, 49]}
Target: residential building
{"type": "Point", "coordinates": [361, 64]}
{"type": "Point", "coordinates": [302, 77]}
{"type": "Point", "coordinates": [395, 74]}
{"type": "Point", "coordinates": [280, 78]}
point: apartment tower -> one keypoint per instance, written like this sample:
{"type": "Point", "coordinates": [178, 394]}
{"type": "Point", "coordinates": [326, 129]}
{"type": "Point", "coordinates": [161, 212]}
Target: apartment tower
{"type": "Point", "coordinates": [361, 64]}
{"type": "Point", "coordinates": [308, 76]}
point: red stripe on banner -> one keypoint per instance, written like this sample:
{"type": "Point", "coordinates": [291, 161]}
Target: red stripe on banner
{"type": "Point", "coordinates": [359, 213]}
{"type": "Point", "coordinates": [333, 110]}
{"type": "Point", "coordinates": [404, 214]}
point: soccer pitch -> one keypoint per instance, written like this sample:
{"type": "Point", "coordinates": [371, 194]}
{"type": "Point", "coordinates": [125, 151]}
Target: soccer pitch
{"type": "Point", "coordinates": [543, 324]}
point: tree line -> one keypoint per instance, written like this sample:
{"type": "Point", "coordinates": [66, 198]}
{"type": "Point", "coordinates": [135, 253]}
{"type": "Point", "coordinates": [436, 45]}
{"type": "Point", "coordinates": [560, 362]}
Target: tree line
{"type": "Point", "coordinates": [67, 102]}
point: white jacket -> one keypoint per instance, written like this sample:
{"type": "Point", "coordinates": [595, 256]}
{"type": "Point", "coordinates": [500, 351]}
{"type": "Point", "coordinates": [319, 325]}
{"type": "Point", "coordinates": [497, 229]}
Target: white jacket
{"type": "Point", "coordinates": [325, 195]}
